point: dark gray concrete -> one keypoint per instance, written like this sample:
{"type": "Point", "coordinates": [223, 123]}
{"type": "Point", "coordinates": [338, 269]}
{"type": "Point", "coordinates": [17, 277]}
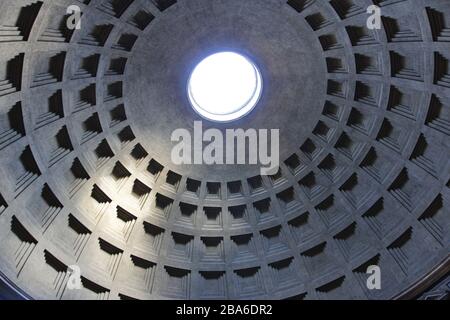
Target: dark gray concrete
{"type": "Point", "coordinates": [86, 179]}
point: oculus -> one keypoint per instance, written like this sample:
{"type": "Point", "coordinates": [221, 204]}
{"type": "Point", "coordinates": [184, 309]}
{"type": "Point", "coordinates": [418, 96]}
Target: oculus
{"type": "Point", "coordinates": [224, 87]}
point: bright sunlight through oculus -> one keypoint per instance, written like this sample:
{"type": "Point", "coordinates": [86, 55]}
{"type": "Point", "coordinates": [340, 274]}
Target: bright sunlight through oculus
{"type": "Point", "coordinates": [224, 87]}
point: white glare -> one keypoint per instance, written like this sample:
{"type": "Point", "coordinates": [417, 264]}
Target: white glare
{"type": "Point", "coordinates": [224, 87]}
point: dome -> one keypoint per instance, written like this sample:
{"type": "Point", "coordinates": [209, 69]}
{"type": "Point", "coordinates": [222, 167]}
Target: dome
{"type": "Point", "coordinates": [92, 92]}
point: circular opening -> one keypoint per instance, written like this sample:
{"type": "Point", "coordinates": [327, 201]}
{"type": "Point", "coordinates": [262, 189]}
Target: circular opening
{"type": "Point", "coordinates": [224, 87]}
